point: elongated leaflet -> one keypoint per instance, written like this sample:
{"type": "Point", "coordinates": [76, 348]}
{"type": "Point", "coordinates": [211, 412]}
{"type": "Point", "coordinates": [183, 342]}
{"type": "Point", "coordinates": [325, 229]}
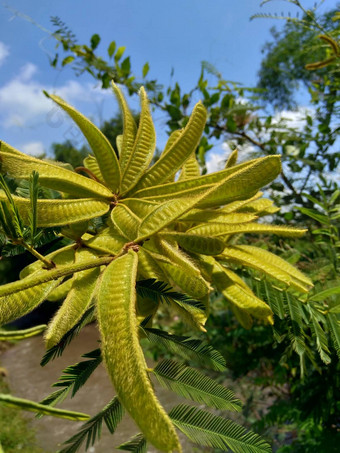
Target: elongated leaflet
{"type": "Point", "coordinates": [123, 355]}
{"type": "Point", "coordinates": [171, 189]}
{"type": "Point", "coordinates": [52, 213]}
{"type": "Point", "coordinates": [90, 162]}
{"type": "Point", "coordinates": [232, 159]}
{"type": "Point", "coordinates": [179, 152]}
{"type": "Point", "coordinates": [13, 306]}
{"type": "Point", "coordinates": [130, 129]}
{"type": "Point", "coordinates": [235, 290]}
{"type": "Point", "coordinates": [216, 216]}
{"type": "Point", "coordinates": [139, 206]}
{"type": "Point", "coordinates": [197, 244]}
{"type": "Point", "coordinates": [108, 241]}
{"type": "Point", "coordinates": [61, 291]}
{"type": "Point", "coordinates": [190, 169]}
{"type": "Point", "coordinates": [101, 147]}
{"type": "Point", "coordinates": [269, 263]}
{"type": "Point", "coordinates": [125, 221]}
{"type": "Point", "coordinates": [76, 302]}
{"type": "Point", "coordinates": [164, 214]}
{"type": "Point", "coordinates": [223, 231]}
{"type": "Point", "coordinates": [140, 156]}
{"type": "Point", "coordinates": [148, 266]}
{"type": "Point", "coordinates": [245, 182]}
{"type": "Point", "coordinates": [52, 176]}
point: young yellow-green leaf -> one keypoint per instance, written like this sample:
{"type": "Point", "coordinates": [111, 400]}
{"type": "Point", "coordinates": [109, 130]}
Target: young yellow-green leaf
{"type": "Point", "coordinates": [129, 132]}
{"type": "Point", "coordinates": [140, 155]}
{"type": "Point", "coordinates": [13, 306]}
{"type": "Point", "coordinates": [197, 244]}
{"type": "Point", "coordinates": [234, 289]}
{"type": "Point", "coordinates": [269, 263]}
{"type": "Point", "coordinates": [61, 291]}
{"type": "Point", "coordinates": [262, 206]}
{"type": "Point", "coordinates": [90, 162]}
{"type": "Point", "coordinates": [123, 355]}
{"type": "Point", "coordinates": [139, 206]}
{"type": "Point", "coordinates": [179, 152]}
{"type": "Point", "coordinates": [51, 213]}
{"type": "Point", "coordinates": [125, 221]}
{"type": "Point", "coordinates": [244, 182]}
{"type": "Point", "coordinates": [232, 159]}
{"type": "Point", "coordinates": [76, 303]}
{"type": "Point", "coordinates": [183, 271]}
{"type": "Point", "coordinates": [27, 405]}
{"type": "Point", "coordinates": [166, 213]}
{"type": "Point", "coordinates": [217, 216]}
{"type": "Point", "coordinates": [101, 147]}
{"type": "Point", "coordinates": [169, 191]}
{"type": "Point", "coordinates": [52, 176]}
{"type": "Point", "coordinates": [148, 266]}
{"type": "Point", "coordinates": [107, 241]}
{"type": "Point", "coordinates": [223, 230]}
{"type": "Point", "coordinates": [190, 169]}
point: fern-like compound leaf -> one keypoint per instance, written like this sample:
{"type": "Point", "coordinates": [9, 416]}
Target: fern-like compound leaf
{"type": "Point", "coordinates": [137, 444]}
{"type": "Point", "coordinates": [188, 348]}
{"type": "Point", "coordinates": [123, 356]}
{"type": "Point", "coordinates": [210, 430]}
{"type": "Point", "coordinates": [101, 147]}
{"type": "Point", "coordinates": [111, 415]}
{"type": "Point", "coordinates": [192, 384]}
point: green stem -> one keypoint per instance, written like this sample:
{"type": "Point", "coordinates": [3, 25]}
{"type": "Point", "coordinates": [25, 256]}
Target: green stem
{"type": "Point", "coordinates": [48, 264]}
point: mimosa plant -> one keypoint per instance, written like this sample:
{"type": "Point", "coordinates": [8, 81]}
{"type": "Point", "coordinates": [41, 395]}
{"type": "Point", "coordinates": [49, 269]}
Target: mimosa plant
{"type": "Point", "coordinates": [157, 231]}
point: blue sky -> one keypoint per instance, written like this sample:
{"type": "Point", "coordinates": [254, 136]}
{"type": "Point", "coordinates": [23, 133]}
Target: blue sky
{"type": "Point", "coordinates": [176, 34]}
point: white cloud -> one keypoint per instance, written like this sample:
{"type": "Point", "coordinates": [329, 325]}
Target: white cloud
{"type": "Point", "coordinates": [33, 148]}
{"type": "Point", "coordinates": [24, 104]}
{"type": "Point", "coordinates": [215, 161]}
{"type": "Point", "coordinates": [4, 52]}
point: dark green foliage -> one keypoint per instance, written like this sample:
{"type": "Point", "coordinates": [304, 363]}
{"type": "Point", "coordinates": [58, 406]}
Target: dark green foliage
{"type": "Point", "coordinates": [136, 445]}
{"type": "Point", "coordinates": [160, 291]}
{"type": "Point", "coordinates": [188, 348]}
{"type": "Point", "coordinates": [111, 414]}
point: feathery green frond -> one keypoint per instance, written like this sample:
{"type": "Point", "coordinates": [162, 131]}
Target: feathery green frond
{"type": "Point", "coordinates": [210, 430]}
{"type": "Point", "coordinates": [111, 414]}
{"type": "Point", "coordinates": [195, 386]}
{"type": "Point", "coordinates": [188, 348]}
{"type": "Point", "coordinates": [137, 444]}
{"type": "Point", "coordinates": [161, 291]}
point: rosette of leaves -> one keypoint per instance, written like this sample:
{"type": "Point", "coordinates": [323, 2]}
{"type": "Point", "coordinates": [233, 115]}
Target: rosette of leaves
{"type": "Point", "coordinates": [156, 227]}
